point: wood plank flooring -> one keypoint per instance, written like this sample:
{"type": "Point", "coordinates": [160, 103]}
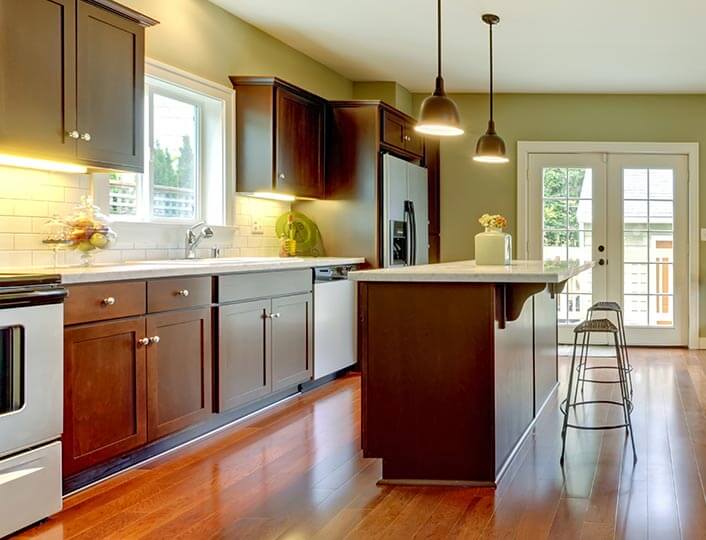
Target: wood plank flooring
{"type": "Point", "coordinates": [296, 471]}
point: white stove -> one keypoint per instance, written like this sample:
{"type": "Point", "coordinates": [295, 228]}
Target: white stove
{"type": "Point", "coordinates": [31, 398]}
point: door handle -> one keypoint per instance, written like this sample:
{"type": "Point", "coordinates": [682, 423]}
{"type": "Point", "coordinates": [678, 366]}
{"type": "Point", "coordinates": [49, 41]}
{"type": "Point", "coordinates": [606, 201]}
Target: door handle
{"type": "Point", "coordinates": [601, 262]}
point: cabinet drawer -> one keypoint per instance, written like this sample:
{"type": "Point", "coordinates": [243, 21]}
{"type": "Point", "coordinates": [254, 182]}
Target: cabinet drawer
{"type": "Point", "coordinates": [101, 301]}
{"type": "Point", "coordinates": [177, 293]}
{"type": "Point", "coordinates": [393, 130]}
{"type": "Point", "coordinates": [238, 287]}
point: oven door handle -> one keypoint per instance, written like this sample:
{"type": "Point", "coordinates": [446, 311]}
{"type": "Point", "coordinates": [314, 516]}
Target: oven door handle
{"type": "Point", "coordinates": [32, 298]}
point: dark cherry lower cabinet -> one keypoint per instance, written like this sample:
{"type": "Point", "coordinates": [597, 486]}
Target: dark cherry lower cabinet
{"type": "Point", "coordinates": [131, 381]}
{"type": "Point", "coordinates": [178, 370]}
{"type": "Point", "coordinates": [244, 373]}
{"type": "Point", "coordinates": [265, 346]}
{"type": "Point", "coordinates": [104, 400]}
{"type": "Point", "coordinates": [291, 340]}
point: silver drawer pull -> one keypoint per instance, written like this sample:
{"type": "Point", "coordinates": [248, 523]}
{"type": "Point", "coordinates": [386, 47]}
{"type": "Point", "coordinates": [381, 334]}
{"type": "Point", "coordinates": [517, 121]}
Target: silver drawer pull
{"type": "Point", "coordinates": [183, 292]}
{"type": "Point", "coordinates": [144, 341]}
{"type": "Point", "coordinates": [154, 340]}
{"type": "Point", "coordinates": [108, 301]}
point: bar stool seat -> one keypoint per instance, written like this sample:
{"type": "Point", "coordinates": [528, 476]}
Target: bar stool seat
{"type": "Point", "coordinates": [585, 329]}
{"type": "Point", "coordinates": [610, 307]}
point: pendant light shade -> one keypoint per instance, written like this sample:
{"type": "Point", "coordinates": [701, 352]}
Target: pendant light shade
{"type": "Point", "coordinates": [438, 114]}
{"type": "Point", "coordinates": [490, 148]}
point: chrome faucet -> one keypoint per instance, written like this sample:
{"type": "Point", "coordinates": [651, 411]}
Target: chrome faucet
{"type": "Point", "coordinates": [193, 239]}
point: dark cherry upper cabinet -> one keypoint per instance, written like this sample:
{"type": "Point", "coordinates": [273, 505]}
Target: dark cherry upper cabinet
{"type": "Point", "coordinates": [110, 89]}
{"type": "Point", "coordinates": [280, 137]}
{"type": "Point", "coordinates": [37, 70]}
{"type": "Point", "coordinates": [73, 81]}
{"type": "Point", "coordinates": [178, 370]}
{"type": "Point", "coordinates": [104, 392]}
{"type": "Point", "coordinates": [398, 133]}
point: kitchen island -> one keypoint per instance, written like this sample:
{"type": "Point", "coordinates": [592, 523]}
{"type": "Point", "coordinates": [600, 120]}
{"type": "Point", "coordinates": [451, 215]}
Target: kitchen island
{"type": "Point", "coordinates": [458, 361]}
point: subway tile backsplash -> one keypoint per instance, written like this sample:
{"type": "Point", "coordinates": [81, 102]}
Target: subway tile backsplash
{"type": "Point", "coordinates": [28, 198]}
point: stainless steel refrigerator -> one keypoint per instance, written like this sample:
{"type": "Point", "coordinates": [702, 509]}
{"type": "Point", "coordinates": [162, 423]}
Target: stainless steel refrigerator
{"type": "Point", "coordinates": [405, 215]}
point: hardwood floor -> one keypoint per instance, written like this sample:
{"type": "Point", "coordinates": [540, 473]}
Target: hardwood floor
{"type": "Point", "coordinates": [296, 471]}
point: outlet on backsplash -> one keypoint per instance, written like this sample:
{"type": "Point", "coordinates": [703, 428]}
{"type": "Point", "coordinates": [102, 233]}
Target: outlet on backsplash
{"type": "Point", "coordinates": [256, 227]}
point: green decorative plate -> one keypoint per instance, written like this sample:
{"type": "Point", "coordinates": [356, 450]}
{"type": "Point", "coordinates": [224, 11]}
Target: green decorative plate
{"type": "Point", "coordinates": [306, 233]}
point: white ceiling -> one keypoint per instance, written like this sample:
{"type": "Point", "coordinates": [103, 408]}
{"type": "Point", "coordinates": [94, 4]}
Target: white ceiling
{"type": "Point", "coordinates": [641, 46]}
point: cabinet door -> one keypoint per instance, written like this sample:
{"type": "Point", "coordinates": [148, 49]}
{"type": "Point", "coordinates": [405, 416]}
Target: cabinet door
{"type": "Point", "coordinates": [37, 77]}
{"type": "Point", "coordinates": [178, 370]}
{"type": "Point", "coordinates": [110, 74]}
{"type": "Point", "coordinates": [413, 142]}
{"type": "Point", "coordinates": [291, 340]}
{"type": "Point", "coordinates": [299, 144]}
{"type": "Point", "coordinates": [244, 371]}
{"type": "Point", "coordinates": [104, 392]}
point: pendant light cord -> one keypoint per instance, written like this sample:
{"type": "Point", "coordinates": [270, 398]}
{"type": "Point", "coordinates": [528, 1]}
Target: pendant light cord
{"type": "Point", "coordinates": [491, 72]}
{"type": "Point", "coordinates": [438, 39]}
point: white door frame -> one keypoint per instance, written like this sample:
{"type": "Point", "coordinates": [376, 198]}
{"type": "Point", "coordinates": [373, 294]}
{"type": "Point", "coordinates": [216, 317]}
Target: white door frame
{"type": "Point", "coordinates": [690, 150]}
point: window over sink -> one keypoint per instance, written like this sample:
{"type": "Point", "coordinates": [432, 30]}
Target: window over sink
{"type": "Point", "coordinates": [188, 166]}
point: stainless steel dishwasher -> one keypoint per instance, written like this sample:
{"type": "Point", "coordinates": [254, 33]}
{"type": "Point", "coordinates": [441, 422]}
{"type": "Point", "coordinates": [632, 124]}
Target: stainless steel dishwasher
{"type": "Point", "coordinates": [335, 329]}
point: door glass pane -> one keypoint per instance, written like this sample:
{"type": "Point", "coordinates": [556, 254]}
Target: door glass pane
{"type": "Point", "coordinates": [12, 368]}
{"type": "Point", "coordinates": [635, 309]}
{"type": "Point", "coordinates": [173, 158]}
{"type": "Point", "coordinates": [648, 246]}
{"type": "Point", "coordinates": [567, 222]}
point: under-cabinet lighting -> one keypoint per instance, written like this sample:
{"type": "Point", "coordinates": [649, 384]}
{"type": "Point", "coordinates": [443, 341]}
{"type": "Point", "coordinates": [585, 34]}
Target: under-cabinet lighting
{"type": "Point", "coordinates": [273, 196]}
{"type": "Point", "coordinates": [41, 164]}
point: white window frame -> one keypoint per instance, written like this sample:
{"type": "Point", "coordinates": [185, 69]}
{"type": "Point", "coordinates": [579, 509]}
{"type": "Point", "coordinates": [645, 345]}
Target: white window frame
{"type": "Point", "coordinates": [214, 199]}
{"type": "Point", "coordinates": [691, 150]}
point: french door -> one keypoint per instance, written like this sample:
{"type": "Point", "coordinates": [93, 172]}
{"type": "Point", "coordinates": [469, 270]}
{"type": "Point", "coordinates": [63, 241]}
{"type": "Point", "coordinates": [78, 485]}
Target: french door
{"type": "Point", "coordinates": [628, 213]}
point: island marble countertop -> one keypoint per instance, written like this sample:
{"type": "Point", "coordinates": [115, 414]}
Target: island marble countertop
{"type": "Point", "coordinates": [183, 267]}
{"type": "Point", "coordinates": [520, 271]}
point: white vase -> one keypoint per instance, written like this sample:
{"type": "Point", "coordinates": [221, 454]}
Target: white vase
{"type": "Point", "coordinates": [493, 248]}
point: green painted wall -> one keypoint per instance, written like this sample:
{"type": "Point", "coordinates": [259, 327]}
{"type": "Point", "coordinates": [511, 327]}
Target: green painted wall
{"type": "Point", "coordinates": [202, 38]}
{"type": "Point", "coordinates": [390, 92]}
{"type": "Point", "coordinates": [469, 189]}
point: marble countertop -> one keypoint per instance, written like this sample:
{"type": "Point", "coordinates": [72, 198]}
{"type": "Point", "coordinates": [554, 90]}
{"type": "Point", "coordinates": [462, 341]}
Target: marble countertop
{"type": "Point", "coordinates": [195, 267]}
{"type": "Point", "coordinates": [520, 271]}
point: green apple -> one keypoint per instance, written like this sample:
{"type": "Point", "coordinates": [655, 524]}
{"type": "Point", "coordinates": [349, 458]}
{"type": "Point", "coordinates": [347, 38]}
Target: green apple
{"type": "Point", "coordinates": [99, 240]}
{"type": "Point", "coordinates": [86, 246]}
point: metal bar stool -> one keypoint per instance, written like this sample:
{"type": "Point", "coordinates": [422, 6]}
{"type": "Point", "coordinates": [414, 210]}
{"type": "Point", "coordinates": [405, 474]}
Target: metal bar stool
{"type": "Point", "coordinates": [611, 307]}
{"type": "Point", "coordinates": [585, 329]}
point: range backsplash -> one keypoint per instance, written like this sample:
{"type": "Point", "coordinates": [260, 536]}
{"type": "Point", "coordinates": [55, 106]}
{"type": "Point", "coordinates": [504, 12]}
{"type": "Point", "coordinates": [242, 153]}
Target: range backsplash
{"type": "Point", "coordinates": [28, 198]}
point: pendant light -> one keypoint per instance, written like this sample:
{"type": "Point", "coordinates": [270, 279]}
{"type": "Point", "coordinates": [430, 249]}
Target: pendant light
{"type": "Point", "coordinates": [490, 147]}
{"type": "Point", "coordinates": [439, 115]}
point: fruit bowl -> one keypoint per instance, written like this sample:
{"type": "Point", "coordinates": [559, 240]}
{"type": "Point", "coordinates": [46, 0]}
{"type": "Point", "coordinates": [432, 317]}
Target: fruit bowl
{"type": "Point", "coordinates": [88, 230]}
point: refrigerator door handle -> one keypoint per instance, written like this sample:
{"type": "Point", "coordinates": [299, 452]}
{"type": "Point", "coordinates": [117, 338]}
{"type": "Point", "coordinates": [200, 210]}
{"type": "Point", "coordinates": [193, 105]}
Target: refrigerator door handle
{"type": "Point", "coordinates": [412, 223]}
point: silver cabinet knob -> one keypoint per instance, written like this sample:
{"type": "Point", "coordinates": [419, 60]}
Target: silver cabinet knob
{"type": "Point", "coordinates": [273, 315]}
{"type": "Point", "coordinates": [183, 292]}
{"type": "Point", "coordinates": [282, 176]}
{"type": "Point", "coordinates": [108, 301]}
{"type": "Point", "coordinates": [73, 134]}
{"type": "Point", "coordinates": [154, 340]}
{"type": "Point", "coordinates": [144, 341]}
{"type": "Point", "coordinates": [86, 137]}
